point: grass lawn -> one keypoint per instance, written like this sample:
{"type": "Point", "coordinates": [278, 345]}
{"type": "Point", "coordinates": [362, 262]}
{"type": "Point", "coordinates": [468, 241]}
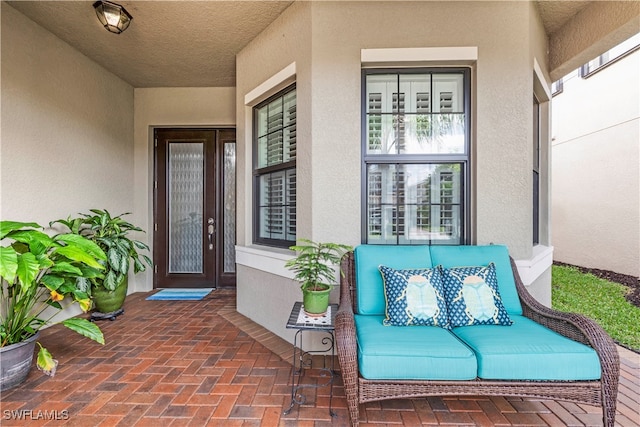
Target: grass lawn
{"type": "Point", "coordinates": [598, 299]}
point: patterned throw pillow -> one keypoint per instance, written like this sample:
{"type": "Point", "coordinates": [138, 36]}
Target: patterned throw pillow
{"type": "Point", "coordinates": [472, 296]}
{"type": "Point", "coordinates": [414, 297]}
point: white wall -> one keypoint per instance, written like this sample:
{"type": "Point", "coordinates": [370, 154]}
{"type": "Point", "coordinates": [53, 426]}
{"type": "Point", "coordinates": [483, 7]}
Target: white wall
{"type": "Point", "coordinates": [170, 107]}
{"type": "Point", "coordinates": [324, 41]}
{"type": "Point", "coordinates": [67, 128]}
{"type": "Point", "coordinates": [596, 169]}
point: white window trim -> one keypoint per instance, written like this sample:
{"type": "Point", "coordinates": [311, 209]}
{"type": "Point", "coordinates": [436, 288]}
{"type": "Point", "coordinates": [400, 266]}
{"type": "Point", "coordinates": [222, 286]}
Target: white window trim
{"type": "Point", "coordinates": [419, 55]}
{"type": "Point", "coordinates": [271, 86]}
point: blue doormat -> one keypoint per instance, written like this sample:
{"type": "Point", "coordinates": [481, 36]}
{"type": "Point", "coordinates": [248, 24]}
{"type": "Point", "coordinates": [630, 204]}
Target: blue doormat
{"type": "Point", "coordinates": [180, 295]}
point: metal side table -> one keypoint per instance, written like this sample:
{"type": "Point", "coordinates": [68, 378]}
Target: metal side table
{"type": "Point", "coordinates": [303, 359]}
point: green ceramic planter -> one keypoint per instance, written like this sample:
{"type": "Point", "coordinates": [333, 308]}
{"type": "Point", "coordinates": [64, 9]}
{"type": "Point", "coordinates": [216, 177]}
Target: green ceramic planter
{"type": "Point", "coordinates": [315, 303]}
{"type": "Point", "coordinates": [106, 301]}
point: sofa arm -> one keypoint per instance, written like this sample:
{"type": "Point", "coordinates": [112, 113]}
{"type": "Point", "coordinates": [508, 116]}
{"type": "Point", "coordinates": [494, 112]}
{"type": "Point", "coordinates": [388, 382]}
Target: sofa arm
{"type": "Point", "coordinates": [578, 328]}
{"type": "Point", "coordinates": [347, 349]}
{"type": "Point", "coordinates": [346, 342]}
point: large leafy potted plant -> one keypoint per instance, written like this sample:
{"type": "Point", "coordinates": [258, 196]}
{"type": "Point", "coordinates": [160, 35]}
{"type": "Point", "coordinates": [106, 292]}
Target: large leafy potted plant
{"type": "Point", "coordinates": [41, 275]}
{"type": "Point", "coordinates": [113, 235]}
{"type": "Point", "coordinates": [313, 267]}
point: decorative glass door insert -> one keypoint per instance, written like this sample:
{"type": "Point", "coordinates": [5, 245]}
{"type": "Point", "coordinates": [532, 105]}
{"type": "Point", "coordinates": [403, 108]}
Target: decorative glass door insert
{"type": "Point", "coordinates": [186, 175]}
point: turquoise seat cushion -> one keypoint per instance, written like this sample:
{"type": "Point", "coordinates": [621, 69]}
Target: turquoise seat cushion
{"type": "Point", "coordinates": [528, 351]}
{"type": "Point", "coordinates": [470, 256]}
{"type": "Point", "coordinates": [414, 297]}
{"type": "Point", "coordinates": [420, 353]}
{"type": "Point", "coordinates": [370, 290]}
{"type": "Point", "coordinates": [472, 296]}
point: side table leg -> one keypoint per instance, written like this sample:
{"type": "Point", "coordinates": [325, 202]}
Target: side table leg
{"type": "Point", "coordinates": [297, 368]}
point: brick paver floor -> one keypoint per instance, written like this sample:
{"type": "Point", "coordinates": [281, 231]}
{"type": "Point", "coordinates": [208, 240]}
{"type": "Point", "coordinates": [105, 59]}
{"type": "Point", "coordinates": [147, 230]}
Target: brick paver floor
{"type": "Point", "coordinates": [186, 363]}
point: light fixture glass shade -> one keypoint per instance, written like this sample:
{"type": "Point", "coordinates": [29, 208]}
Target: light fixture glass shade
{"type": "Point", "coordinates": [114, 17]}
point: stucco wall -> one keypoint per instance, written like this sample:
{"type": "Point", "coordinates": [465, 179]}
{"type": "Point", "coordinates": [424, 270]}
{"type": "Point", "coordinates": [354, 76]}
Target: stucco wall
{"type": "Point", "coordinates": [596, 169]}
{"type": "Point", "coordinates": [67, 128]}
{"type": "Point", "coordinates": [170, 107]}
{"type": "Point", "coordinates": [325, 39]}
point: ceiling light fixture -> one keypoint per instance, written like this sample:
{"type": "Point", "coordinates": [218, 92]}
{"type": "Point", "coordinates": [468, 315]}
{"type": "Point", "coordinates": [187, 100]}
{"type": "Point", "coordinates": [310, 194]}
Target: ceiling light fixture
{"type": "Point", "coordinates": [114, 17]}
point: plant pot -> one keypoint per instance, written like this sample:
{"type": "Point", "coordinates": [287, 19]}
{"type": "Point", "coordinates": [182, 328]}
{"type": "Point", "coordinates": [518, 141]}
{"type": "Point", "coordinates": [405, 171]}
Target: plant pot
{"type": "Point", "coordinates": [15, 362]}
{"type": "Point", "coordinates": [106, 301]}
{"type": "Point", "coordinates": [315, 302]}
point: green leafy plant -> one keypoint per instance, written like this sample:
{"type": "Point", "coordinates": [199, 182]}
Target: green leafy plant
{"type": "Point", "coordinates": [313, 266]}
{"type": "Point", "coordinates": [112, 235]}
{"type": "Point", "coordinates": [39, 271]}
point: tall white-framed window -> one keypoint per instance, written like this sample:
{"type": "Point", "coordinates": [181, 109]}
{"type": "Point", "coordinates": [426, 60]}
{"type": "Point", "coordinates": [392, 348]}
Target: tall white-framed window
{"type": "Point", "coordinates": [274, 169]}
{"type": "Point", "coordinates": [416, 141]}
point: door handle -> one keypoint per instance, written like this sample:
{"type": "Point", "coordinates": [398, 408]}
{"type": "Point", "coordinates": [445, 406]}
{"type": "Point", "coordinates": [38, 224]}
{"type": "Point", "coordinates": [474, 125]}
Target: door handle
{"type": "Point", "coordinates": [211, 230]}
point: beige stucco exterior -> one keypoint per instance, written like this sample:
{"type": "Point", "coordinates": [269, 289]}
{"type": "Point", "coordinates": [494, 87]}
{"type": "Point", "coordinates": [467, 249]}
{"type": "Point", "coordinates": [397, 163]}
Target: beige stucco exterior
{"type": "Point", "coordinates": [75, 136]}
{"type": "Point", "coordinates": [63, 151]}
{"type": "Point", "coordinates": [596, 169]}
{"type": "Point", "coordinates": [324, 42]}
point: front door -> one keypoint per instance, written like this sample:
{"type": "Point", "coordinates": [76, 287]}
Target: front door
{"type": "Point", "coordinates": [194, 230]}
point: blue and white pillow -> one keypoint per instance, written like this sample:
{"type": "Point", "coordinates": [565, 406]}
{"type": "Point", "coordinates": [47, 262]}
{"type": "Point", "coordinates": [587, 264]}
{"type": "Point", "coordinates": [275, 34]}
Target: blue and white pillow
{"type": "Point", "coordinates": [414, 297]}
{"type": "Point", "coordinates": [472, 296]}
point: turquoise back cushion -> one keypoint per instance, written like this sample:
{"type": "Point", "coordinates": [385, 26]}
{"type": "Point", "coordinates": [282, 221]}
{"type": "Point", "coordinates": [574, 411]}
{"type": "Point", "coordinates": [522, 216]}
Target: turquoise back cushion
{"type": "Point", "coordinates": [370, 288]}
{"type": "Point", "coordinates": [471, 256]}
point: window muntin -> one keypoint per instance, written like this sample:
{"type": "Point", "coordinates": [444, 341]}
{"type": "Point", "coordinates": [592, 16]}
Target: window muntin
{"type": "Point", "coordinates": [415, 145]}
{"type": "Point", "coordinates": [275, 169]}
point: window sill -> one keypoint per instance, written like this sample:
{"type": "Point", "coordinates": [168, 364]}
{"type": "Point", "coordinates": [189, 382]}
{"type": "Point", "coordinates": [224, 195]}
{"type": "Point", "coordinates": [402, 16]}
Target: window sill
{"type": "Point", "coordinates": [269, 260]}
{"type": "Point", "coordinates": [541, 260]}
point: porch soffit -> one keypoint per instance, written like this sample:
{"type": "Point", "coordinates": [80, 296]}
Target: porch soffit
{"type": "Point", "coordinates": [194, 43]}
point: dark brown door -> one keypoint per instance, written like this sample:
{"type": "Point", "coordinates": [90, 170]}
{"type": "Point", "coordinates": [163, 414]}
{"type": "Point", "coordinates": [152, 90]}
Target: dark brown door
{"type": "Point", "coordinates": [194, 231]}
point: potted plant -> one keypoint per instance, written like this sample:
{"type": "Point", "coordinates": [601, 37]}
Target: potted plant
{"type": "Point", "coordinates": [41, 275]}
{"type": "Point", "coordinates": [313, 267]}
{"type": "Point", "coordinates": [113, 235]}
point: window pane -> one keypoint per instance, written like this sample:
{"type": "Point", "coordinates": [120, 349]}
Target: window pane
{"type": "Point", "coordinates": [414, 203]}
{"type": "Point", "coordinates": [272, 198]}
{"type": "Point", "coordinates": [433, 134]}
{"type": "Point", "coordinates": [291, 205]}
{"type": "Point", "coordinates": [277, 131]}
{"type": "Point", "coordinates": [448, 92]}
{"type": "Point", "coordinates": [416, 91]}
{"type": "Point", "coordinates": [278, 205]}
{"type": "Point", "coordinates": [289, 109]}
{"type": "Point", "coordinates": [381, 134]}
{"type": "Point", "coordinates": [380, 91]}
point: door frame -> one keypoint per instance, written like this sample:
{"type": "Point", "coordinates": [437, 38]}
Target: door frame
{"type": "Point", "coordinates": [222, 134]}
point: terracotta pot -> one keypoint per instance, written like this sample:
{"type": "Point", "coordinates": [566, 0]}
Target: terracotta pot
{"type": "Point", "coordinates": [15, 362]}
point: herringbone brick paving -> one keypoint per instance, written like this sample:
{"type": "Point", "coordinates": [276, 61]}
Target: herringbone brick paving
{"type": "Point", "coordinates": [186, 363]}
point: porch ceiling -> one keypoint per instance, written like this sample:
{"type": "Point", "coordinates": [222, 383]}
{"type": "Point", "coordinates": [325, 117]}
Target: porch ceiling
{"type": "Point", "coordinates": [193, 43]}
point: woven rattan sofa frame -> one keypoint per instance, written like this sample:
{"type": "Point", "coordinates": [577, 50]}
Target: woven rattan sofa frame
{"type": "Point", "coordinates": [601, 393]}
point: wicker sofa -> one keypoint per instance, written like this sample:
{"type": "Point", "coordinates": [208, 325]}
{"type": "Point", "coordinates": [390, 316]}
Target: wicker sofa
{"type": "Point", "coordinates": [381, 362]}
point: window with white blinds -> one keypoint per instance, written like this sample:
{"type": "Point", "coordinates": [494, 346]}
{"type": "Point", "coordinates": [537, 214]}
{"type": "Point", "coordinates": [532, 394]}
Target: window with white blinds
{"type": "Point", "coordinates": [275, 169]}
{"type": "Point", "coordinates": [416, 156]}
